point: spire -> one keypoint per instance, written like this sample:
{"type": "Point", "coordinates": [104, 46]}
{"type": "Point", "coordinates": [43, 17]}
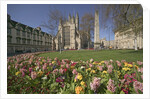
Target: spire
{"type": "Point", "coordinates": [60, 21]}
{"type": "Point", "coordinates": [69, 17]}
{"type": "Point", "coordinates": [77, 16]}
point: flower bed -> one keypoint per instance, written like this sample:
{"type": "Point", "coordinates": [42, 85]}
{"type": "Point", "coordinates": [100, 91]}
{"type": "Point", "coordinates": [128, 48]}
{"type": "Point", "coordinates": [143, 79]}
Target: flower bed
{"type": "Point", "coordinates": [30, 74]}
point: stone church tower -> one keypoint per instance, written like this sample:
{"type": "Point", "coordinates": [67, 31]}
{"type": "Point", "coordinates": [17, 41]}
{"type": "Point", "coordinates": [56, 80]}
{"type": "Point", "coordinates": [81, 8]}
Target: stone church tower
{"type": "Point", "coordinates": [96, 31]}
{"type": "Point", "coordinates": [68, 36]}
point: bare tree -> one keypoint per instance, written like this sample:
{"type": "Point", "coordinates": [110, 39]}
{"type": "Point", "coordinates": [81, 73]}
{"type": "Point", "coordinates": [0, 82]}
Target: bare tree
{"type": "Point", "coordinates": [122, 15]}
{"type": "Point", "coordinates": [87, 27]}
{"type": "Point", "coordinates": [54, 16]}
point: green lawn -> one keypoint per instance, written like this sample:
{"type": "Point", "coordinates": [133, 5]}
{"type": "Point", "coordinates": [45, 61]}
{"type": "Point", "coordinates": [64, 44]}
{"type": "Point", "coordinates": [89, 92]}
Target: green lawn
{"type": "Point", "coordinates": [128, 55]}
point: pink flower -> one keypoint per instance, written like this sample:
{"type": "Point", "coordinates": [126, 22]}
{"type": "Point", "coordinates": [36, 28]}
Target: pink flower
{"type": "Point", "coordinates": [139, 63]}
{"type": "Point", "coordinates": [140, 70]}
{"type": "Point", "coordinates": [95, 84]}
{"type": "Point", "coordinates": [123, 61]}
{"type": "Point", "coordinates": [73, 64]}
{"type": "Point", "coordinates": [142, 77]}
{"type": "Point", "coordinates": [110, 67]}
{"type": "Point", "coordinates": [74, 72]}
{"type": "Point", "coordinates": [56, 59]}
{"type": "Point", "coordinates": [30, 69]}
{"type": "Point", "coordinates": [106, 62]}
{"type": "Point", "coordinates": [111, 87]}
{"type": "Point", "coordinates": [62, 66]}
{"type": "Point", "coordinates": [9, 67]}
{"type": "Point", "coordinates": [111, 60]}
{"type": "Point", "coordinates": [100, 67]}
{"type": "Point", "coordinates": [119, 64]}
{"type": "Point", "coordinates": [91, 60]}
{"type": "Point", "coordinates": [50, 64]}
{"type": "Point", "coordinates": [90, 65]}
{"type": "Point", "coordinates": [55, 71]}
{"type": "Point", "coordinates": [44, 67]}
{"type": "Point", "coordinates": [138, 86]}
{"type": "Point", "coordinates": [61, 71]}
{"type": "Point", "coordinates": [33, 75]}
{"type": "Point", "coordinates": [67, 65]}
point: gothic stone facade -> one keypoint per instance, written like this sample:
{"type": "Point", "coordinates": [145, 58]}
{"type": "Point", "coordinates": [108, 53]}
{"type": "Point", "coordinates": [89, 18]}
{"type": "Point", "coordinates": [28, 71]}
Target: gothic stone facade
{"type": "Point", "coordinates": [68, 36]}
{"type": "Point", "coordinates": [22, 38]}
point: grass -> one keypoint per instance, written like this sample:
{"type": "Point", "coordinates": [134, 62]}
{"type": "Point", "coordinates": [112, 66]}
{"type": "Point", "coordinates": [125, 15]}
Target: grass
{"type": "Point", "coordinates": [128, 55]}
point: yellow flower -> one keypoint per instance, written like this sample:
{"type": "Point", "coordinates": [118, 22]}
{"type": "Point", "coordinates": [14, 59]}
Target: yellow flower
{"type": "Point", "coordinates": [105, 72]}
{"type": "Point", "coordinates": [93, 71]}
{"type": "Point", "coordinates": [98, 68]}
{"type": "Point", "coordinates": [118, 73]}
{"type": "Point", "coordinates": [126, 69]}
{"type": "Point", "coordinates": [102, 62]}
{"type": "Point", "coordinates": [40, 73]}
{"type": "Point", "coordinates": [78, 89]}
{"type": "Point", "coordinates": [130, 65]}
{"type": "Point", "coordinates": [125, 64]}
{"type": "Point", "coordinates": [88, 69]}
{"type": "Point", "coordinates": [95, 63]}
{"type": "Point", "coordinates": [17, 73]}
{"type": "Point", "coordinates": [79, 76]}
{"type": "Point", "coordinates": [53, 62]}
{"type": "Point", "coordinates": [136, 66]}
{"type": "Point", "coordinates": [75, 80]}
{"type": "Point", "coordinates": [82, 83]}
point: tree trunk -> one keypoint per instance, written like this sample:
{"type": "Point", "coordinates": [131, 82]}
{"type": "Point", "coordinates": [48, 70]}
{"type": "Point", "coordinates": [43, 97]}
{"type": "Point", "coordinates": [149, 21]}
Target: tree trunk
{"type": "Point", "coordinates": [88, 44]}
{"type": "Point", "coordinates": [135, 44]}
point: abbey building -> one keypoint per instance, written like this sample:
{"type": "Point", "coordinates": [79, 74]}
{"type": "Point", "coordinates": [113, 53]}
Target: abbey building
{"type": "Point", "coordinates": [68, 36]}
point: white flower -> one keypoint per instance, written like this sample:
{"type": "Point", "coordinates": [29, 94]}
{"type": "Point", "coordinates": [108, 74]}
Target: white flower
{"type": "Point", "coordinates": [44, 77]}
{"type": "Point", "coordinates": [37, 68]}
{"type": "Point", "coordinates": [82, 67]}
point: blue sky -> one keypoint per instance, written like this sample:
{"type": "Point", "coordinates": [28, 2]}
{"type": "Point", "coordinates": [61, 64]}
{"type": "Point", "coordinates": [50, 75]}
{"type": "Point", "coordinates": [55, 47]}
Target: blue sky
{"type": "Point", "coordinates": [35, 14]}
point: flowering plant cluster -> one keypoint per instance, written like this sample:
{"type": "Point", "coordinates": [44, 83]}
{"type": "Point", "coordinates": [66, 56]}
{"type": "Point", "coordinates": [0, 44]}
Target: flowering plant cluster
{"type": "Point", "coordinates": [31, 74]}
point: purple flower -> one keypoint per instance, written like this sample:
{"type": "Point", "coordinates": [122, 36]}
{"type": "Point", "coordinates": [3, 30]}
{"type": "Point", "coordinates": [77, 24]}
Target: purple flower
{"type": "Point", "coordinates": [95, 84]}
{"type": "Point", "coordinates": [110, 67]}
{"type": "Point", "coordinates": [138, 86]}
{"type": "Point", "coordinates": [111, 87]}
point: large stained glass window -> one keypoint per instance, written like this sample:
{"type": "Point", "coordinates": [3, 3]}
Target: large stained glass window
{"type": "Point", "coordinates": [67, 35]}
